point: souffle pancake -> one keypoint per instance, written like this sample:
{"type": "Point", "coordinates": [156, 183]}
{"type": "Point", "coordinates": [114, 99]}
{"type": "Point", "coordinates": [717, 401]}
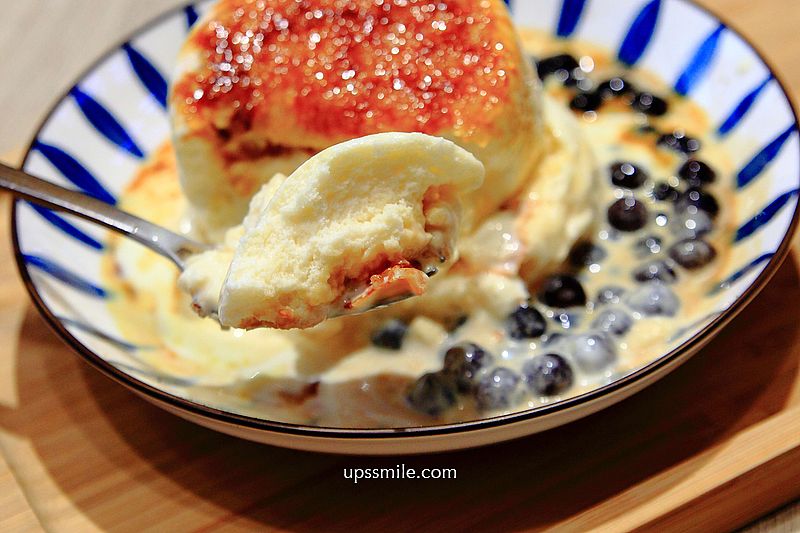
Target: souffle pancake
{"type": "Point", "coordinates": [263, 85]}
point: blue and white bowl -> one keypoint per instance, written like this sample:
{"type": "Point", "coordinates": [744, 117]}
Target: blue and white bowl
{"type": "Point", "coordinates": [104, 127]}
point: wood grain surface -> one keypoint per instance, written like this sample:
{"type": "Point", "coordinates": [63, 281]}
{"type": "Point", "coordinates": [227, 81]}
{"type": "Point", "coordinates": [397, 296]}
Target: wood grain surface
{"type": "Point", "coordinates": [711, 447]}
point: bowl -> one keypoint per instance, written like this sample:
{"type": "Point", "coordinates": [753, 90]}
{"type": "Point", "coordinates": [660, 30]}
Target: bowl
{"type": "Point", "coordinates": [104, 126]}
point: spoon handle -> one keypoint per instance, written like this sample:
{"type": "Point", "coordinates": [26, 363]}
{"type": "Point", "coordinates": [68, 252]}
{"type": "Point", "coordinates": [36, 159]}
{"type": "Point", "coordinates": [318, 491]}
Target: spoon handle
{"type": "Point", "coordinates": [46, 194]}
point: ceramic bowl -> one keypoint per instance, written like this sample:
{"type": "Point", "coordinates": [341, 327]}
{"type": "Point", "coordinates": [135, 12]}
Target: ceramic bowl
{"type": "Point", "coordinates": [103, 128]}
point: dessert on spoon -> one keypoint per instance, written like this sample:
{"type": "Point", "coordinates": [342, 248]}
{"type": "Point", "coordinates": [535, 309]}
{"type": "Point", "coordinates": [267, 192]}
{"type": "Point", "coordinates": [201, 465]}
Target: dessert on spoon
{"type": "Point", "coordinates": [360, 225]}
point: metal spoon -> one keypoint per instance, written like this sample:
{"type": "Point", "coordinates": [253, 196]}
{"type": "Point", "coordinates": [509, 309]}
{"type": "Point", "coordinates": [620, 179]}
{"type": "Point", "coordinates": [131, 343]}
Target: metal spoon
{"type": "Point", "coordinates": [161, 240]}
{"type": "Point", "coordinates": [42, 192]}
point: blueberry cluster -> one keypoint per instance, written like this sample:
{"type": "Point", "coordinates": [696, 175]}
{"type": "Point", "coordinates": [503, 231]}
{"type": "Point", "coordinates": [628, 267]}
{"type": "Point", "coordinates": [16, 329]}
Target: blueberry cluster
{"type": "Point", "coordinates": [469, 370]}
{"type": "Point", "coordinates": [463, 373]}
{"type": "Point", "coordinates": [564, 332]}
{"type": "Point", "coordinates": [589, 97]}
{"type": "Point", "coordinates": [693, 210]}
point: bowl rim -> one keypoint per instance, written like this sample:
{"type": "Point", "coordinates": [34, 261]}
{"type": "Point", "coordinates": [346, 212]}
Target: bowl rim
{"type": "Point", "coordinates": [677, 354]}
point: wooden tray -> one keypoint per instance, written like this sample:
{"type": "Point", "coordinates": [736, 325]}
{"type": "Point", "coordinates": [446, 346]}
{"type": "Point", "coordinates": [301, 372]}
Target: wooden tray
{"type": "Point", "coordinates": [712, 446]}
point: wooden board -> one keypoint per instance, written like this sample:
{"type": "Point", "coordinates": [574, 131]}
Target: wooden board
{"type": "Point", "coordinates": [713, 446]}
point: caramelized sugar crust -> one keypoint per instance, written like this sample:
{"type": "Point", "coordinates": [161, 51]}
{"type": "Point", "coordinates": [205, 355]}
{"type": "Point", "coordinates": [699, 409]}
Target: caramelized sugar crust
{"type": "Point", "coordinates": [347, 68]}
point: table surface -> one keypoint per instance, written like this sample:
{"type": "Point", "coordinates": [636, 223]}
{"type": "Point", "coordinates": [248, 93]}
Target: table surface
{"type": "Point", "coordinates": [48, 43]}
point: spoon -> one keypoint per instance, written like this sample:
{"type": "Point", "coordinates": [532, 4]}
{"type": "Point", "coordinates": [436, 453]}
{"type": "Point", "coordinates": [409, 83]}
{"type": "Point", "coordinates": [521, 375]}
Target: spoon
{"type": "Point", "coordinates": [42, 192]}
{"type": "Point", "coordinates": [164, 242]}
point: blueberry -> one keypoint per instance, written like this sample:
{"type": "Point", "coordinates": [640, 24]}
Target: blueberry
{"type": "Point", "coordinates": [691, 224]}
{"type": "Point", "coordinates": [390, 335]}
{"type": "Point", "coordinates": [615, 87]}
{"type": "Point", "coordinates": [679, 142]}
{"type": "Point", "coordinates": [649, 104]}
{"type": "Point", "coordinates": [433, 393]}
{"type": "Point", "coordinates": [692, 253]}
{"type": "Point", "coordinates": [548, 374]}
{"type": "Point", "coordinates": [664, 192]}
{"type": "Point", "coordinates": [586, 253]}
{"type": "Point", "coordinates": [496, 390]}
{"type": "Point", "coordinates": [696, 199]}
{"type": "Point", "coordinates": [614, 320]}
{"type": "Point", "coordinates": [463, 362]}
{"type": "Point", "coordinates": [627, 175]}
{"type": "Point", "coordinates": [525, 323]}
{"type": "Point", "coordinates": [697, 173]}
{"type": "Point", "coordinates": [648, 246]}
{"type": "Point", "coordinates": [627, 214]}
{"type": "Point", "coordinates": [654, 299]}
{"type": "Point", "coordinates": [562, 66]}
{"type": "Point", "coordinates": [593, 352]}
{"type": "Point", "coordinates": [655, 271]}
{"type": "Point", "coordinates": [586, 102]}
{"type": "Point", "coordinates": [610, 294]}
{"type": "Point", "coordinates": [562, 291]}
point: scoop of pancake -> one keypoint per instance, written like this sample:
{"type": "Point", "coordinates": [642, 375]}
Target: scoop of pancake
{"type": "Point", "coordinates": [356, 225]}
{"type": "Point", "coordinates": [263, 85]}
